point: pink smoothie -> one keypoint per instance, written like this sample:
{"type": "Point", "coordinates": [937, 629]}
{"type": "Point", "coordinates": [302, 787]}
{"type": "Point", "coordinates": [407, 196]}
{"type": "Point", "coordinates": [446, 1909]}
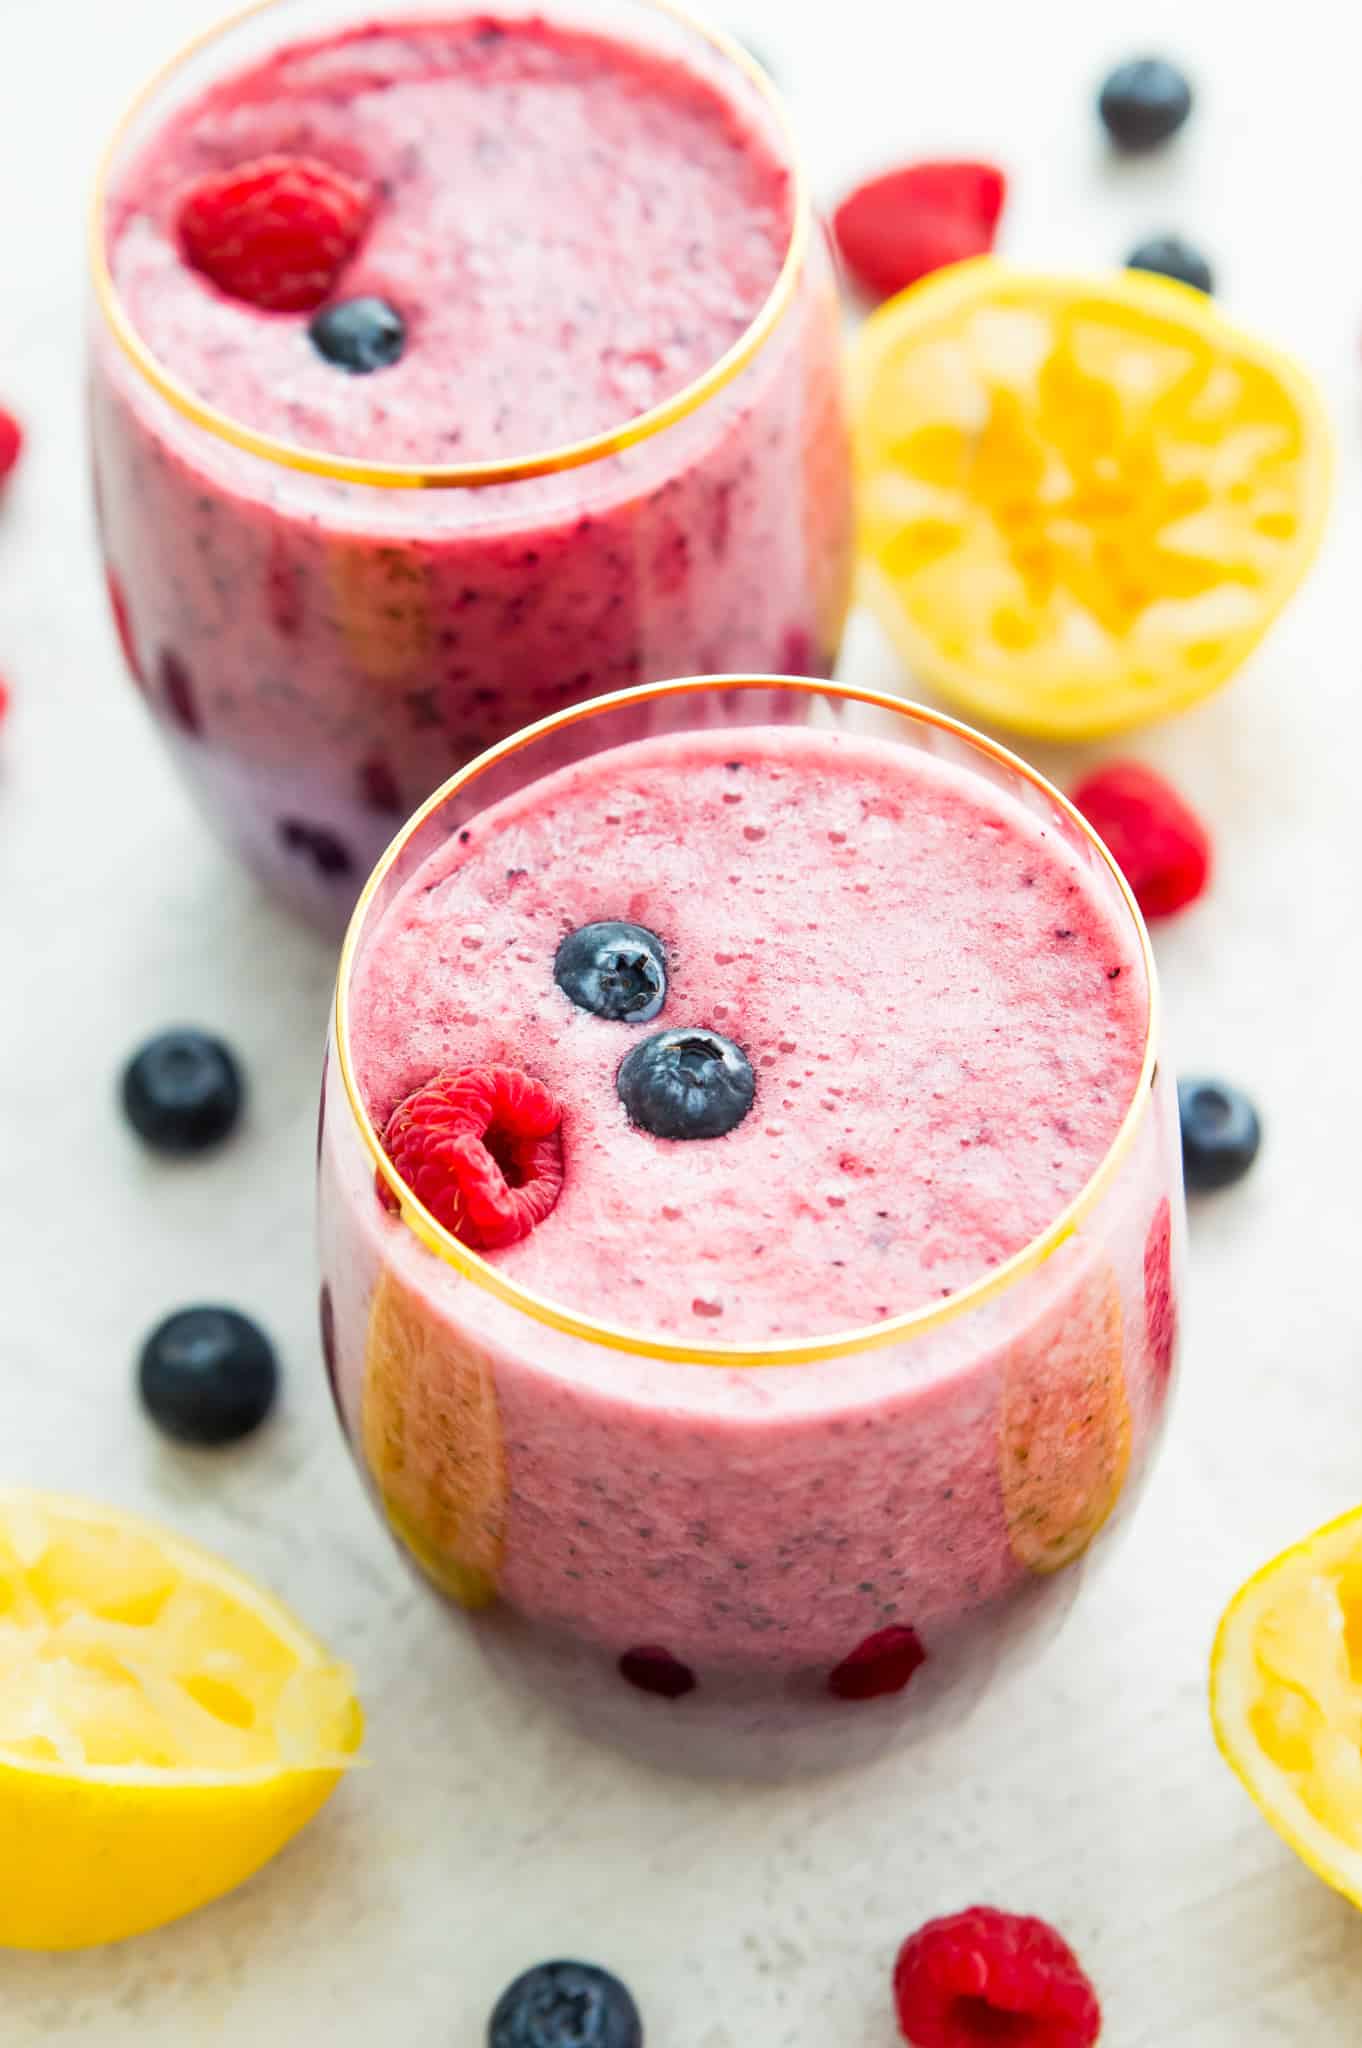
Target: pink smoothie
{"type": "Point", "coordinates": [572, 230]}
{"type": "Point", "coordinates": [573, 227]}
{"type": "Point", "coordinates": [945, 1021]}
{"type": "Point", "coordinates": [943, 999]}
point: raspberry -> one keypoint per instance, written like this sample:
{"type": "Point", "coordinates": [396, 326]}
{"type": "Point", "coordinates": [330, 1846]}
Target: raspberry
{"type": "Point", "coordinates": [1159, 843]}
{"type": "Point", "coordinates": [483, 1151]}
{"type": "Point", "coordinates": [1160, 1308]}
{"type": "Point", "coordinates": [123, 623]}
{"type": "Point", "coordinates": [11, 442]}
{"type": "Point", "coordinates": [177, 687]}
{"type": "Point", "coordinates": [894, 229]}
{"type": "Point", "coordinates": [982, 1977]}
{"type": "Point", "coordinates": [655, 1670]}
{"type": "Point", "coordinates": [882, 1664]}
{"type": "Point", "coordinates": [276, 232]}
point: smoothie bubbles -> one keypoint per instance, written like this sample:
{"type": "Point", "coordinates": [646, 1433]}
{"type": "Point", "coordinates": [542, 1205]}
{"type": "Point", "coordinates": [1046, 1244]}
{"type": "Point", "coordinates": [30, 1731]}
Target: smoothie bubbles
{"type": "Point", "coordinates": [447, 370]}
{"type": "Point", "coordinates": [750, 1213]}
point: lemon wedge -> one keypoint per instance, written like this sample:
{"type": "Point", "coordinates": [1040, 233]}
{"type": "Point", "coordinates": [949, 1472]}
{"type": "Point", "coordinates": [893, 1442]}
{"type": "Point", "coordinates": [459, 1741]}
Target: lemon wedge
{"type": "Point", "coordinates": [165, 1726]}
{"type": "Point", "coordinates": [1286, 1698]}
{"type": "Point", "coordinates": [1083, 500]}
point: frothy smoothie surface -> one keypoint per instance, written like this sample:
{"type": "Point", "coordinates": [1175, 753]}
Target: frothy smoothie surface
{"type": "Point", "coordinates": [572, 228]}
{"type": "Point", "coordinates": [945, 1016]}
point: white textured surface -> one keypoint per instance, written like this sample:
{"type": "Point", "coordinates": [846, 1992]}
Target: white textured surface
{"type": "Point", "coordinates": [481, 1837]}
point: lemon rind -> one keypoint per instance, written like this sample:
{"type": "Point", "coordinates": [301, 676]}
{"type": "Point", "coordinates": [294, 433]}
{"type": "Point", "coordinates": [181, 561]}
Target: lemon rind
{"type": "Point", "coordinates": [941, 297]}
{"type": "Point", "coordinates": [198, 1563]}
{"type": "Point", "coordinates": [1231, 1655]}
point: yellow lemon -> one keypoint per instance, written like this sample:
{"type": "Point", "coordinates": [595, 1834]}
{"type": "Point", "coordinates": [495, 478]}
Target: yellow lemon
{"type": "Point", "coordinates": [165, 1726]}
{"type": "Point", "coordinates": [1286, 1698]}
{"type": "Point", "coordinates": [1083, 500]}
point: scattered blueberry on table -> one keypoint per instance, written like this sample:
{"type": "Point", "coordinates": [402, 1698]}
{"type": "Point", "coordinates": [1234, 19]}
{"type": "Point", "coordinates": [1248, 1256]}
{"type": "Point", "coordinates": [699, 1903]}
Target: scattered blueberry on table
{"type": "Point", "coordinates": [1144, 102]}
{"type": "Point", "coordinates": [1221, 1134]}
{"type": "Point", "coordinates": [686, 1084]}
{"type": "Point", "coordinates": [614, 970]}
{"type": "Point", "coordinates": [1170, 256]}
{"type": "Point", "coordinates": [359, 335]}
{"type": "Point", "coordinates": [565, 2005]}
{"type": "Point", "coordinates": [207, 1376]}
{"type": "Point", "coordinates": [183, 1091]}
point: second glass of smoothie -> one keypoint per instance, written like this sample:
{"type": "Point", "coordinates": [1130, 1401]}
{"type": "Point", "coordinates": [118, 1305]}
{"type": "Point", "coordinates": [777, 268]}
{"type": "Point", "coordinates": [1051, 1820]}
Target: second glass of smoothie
{"type": "Point", "coordinates": [611, 447]}
{"type": "Point", "coordinates": [750, 1212]}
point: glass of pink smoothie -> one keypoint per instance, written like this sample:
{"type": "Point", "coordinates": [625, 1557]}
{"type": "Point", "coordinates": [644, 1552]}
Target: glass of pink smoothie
{"type": "Point", "coordinates": [765, 1444]}
{"type": "Point", "coordinates": [611, 448]}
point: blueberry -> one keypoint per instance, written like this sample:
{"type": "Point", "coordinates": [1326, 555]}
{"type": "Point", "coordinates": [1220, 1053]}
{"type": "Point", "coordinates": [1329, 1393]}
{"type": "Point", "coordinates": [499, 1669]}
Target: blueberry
{"type": "Point", "coordinates": [613, 970]}
{"type": "Point", "coordinates": [565, 2005]}
{"type": "Point", "coordinates": [1170, 256]}
{"type": "Point", "coordinates": [182, 1091]}
{"type": "Point", "coordinates": [359, 335]}
{"type": "Point", "coordinates": [1145, 101]}
{"type": "Point", "coordinates": [207, 1376]}
{"type": "Point", "coordinates": [1220, 1134]}
{"type": "Point", "coordinates": [686, 1084]}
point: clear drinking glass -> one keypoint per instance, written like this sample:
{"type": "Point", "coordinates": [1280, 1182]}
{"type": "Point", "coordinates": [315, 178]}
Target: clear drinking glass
{"type": "Point", "coordinates": [751, 1558]}
{"type": "Point", "coordinates": [322, 641]}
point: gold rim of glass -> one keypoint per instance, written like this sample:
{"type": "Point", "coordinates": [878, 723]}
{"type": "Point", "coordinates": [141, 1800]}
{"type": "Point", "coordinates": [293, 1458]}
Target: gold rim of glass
{"type": "Point", "coordinates": [468, 475]}
{"type": "Point", "coordinates": [841, 1343]}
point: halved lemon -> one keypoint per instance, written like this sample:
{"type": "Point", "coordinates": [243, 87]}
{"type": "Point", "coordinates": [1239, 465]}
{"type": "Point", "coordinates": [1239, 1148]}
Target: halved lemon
{"type": "Point", "coordinates": [1286, 1698]}
{"type": "Point", "coordinates": [1083, 500]}
{"type": "Point", "coordinates": [165, 1726]}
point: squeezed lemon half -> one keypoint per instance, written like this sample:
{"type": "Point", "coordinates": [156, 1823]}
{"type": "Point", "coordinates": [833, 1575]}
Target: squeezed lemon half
{"type": "Point", "coordinates": [1083, 500]}
{"type": "Point", "coordinates": [1286, 1698]}
{"type": "Point", "coordinates": [165, 1725]}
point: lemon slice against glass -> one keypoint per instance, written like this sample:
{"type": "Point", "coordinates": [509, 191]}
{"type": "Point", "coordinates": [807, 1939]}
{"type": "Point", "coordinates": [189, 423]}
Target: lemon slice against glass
{"type": "Point", "coordinates": [165, 1726]}
{"type": "Point", "coordinates": [1286, 1698]}
{"type": "Point", "coordinates": [1083, 500]}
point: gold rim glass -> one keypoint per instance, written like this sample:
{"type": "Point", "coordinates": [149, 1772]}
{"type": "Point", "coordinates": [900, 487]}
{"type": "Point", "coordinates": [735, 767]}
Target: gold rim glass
{"type": "Point", "coordinates": [735, 701]}
{"type": "Point", "coordinates": [252, 32]}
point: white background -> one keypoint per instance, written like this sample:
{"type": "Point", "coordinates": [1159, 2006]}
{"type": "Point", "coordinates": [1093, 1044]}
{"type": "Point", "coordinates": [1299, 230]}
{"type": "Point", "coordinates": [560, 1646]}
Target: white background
{"type": "Point", "coordinates": [481, 1838]}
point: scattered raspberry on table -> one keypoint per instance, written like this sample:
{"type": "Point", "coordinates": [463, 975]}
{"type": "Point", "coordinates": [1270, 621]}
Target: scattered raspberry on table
{"type": "Point", "coordinates": [1160, 845]}
{"type": "Point", "coordinates": [896, 228]}
{"type": "Point", "coordinates": [11, 442]}
{"type": "Point", "coordinates": [985, 1976]}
